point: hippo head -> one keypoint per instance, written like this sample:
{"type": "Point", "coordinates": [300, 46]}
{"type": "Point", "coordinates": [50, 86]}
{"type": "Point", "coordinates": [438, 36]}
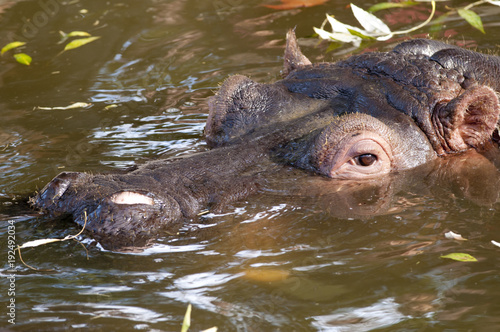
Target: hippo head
{"type": "Point", "coordinates": [357, 120]}
{"type": "Point", "coordinates": [373, 114]}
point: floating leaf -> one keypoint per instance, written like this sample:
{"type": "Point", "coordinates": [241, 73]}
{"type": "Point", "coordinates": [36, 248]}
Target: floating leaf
{"type": "Point", "coordinates": [472, 18]}
{"type": "Point", "coordinates": [461, 257]}
{"type": "Point", "coordinates": [388, 5]}
{"type": "Point", "coordinates": [495, 243]}
{"type": "Point", "coordinates": [11, 46]}
{"type": "Point", "coordinates": [23, 58]}
{"type": "Point", "coordinates": [72, 106]}
{"type": "Point", "coordinates": [79, 42]}
{"type": "Point", "coordinates": [454, 236]}
{"type": "Point", "coordinates": [78, 34]}
{"type": "Point", "coordinates": [187, 319]}
{"type": "Point", "coordinates": [108, 107]}
{"type": "Point", "coordinates": [40, 242]}
{"type": "Point", "coordinates": [212, 329]}
{"type": "Point", "coordinates": [65, 36]}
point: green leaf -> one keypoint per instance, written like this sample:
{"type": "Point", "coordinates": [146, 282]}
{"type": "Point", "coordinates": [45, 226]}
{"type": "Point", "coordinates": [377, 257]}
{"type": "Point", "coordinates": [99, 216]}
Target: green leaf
{"type": "Point", "coordinates": [187, 319]}
{"type": "Point", "coordinates": [472, 18]}
{"type": "Point", "coordinates": [461, 257]}
{"type": "Point", "coordinates": [360, 34]}
{"type": "Point", "coordinates": [388, 5]}
{"type": "Point", "coordinates": [23, 59]}
{"type": "Point", "coordinates": [11, 46]}
{"type": "Point", "coordinates": [79, 42]}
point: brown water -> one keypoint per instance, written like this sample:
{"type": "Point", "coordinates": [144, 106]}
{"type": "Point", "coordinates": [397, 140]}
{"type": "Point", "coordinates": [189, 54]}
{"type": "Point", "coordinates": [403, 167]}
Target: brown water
{"type": "Point", "coordinates": [281, 260]}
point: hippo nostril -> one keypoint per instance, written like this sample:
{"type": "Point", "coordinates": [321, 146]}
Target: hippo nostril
{"type": "Point", "coordinates": [130, 197]}
{"type": "Point", "coordinates": [58, 186]}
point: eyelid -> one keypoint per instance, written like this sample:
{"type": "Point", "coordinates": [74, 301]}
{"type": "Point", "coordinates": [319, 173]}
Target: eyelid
{"type": "Point", "coordinates": [364, 147]}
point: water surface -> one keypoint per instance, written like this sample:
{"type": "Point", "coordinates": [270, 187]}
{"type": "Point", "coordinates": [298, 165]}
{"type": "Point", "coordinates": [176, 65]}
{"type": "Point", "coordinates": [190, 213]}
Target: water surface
{"type": "Point", "coordinates": [281, 260]}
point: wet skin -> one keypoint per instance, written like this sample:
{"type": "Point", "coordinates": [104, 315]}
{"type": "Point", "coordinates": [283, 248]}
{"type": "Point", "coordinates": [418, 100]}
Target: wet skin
{"type": "Point", "coordinates": [354, 123]}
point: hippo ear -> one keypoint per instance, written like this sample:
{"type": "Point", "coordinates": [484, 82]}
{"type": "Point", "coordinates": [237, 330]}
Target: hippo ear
{"type": "Point", "coordinates": [293, 58]}
{"type": "Point", "coordinates": [467, 121]}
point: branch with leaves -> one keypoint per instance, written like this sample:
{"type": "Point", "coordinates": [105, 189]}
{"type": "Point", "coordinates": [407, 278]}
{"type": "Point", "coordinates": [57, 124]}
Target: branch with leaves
{"type": "Point", "coordinates": [376, 29]}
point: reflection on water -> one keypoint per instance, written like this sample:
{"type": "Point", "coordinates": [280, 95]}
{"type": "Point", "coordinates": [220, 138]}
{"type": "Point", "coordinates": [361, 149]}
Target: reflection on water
{"type": "Point", "coordinates": [384, 313]}
{"type": "Point", "coordinates": [327, 258]}
{"type": "Point", "coordinates": [146, 136]}
{"type": "Point", "coordinates": [131, 313]}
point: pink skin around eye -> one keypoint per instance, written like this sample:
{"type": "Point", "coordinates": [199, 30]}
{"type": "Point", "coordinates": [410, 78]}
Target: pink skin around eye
{"type": "Point", "coordinates": [343, 165]}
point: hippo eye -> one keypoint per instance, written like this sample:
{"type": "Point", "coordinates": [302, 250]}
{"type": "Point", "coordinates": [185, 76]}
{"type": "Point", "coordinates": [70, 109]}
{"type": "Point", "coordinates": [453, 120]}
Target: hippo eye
{"type": "Point", "coordinates": [356, 147]}
{"type": "Point", "coordinates": [366, 160]}
{"type": "Point", "coordinates": [357, 157]}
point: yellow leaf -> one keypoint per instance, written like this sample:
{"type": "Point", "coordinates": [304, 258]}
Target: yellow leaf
{"type": "Point", "coordinates": [187, 319]}
{"type": "Point", "coordinates": [461, 257]}
{"type": "Point", "coordinates": [78, 34]}
{"type": "Point", "coordinates": [69, 107]}
{"type": "Point", "coordinates": [65, 36]}
{"type": "Point", "coordinates": [79, 42]}
{"type": "Point", "coordinates": [12, 45]}
{"type": "Point", "coordinates": [23, 58]}
{"type": "Point", "coordinates": [110, 107]}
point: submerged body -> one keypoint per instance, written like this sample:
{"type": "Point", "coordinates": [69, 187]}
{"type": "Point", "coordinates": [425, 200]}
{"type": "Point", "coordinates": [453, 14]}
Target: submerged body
{"type": "Point", "coordinates": [360, 119]}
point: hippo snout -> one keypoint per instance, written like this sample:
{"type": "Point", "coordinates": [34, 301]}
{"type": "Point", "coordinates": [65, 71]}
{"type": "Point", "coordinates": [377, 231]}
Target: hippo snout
{"type": "Point", "coordinates": [49, 198]}
{"type": "Point", "coordinates": [117, 217]}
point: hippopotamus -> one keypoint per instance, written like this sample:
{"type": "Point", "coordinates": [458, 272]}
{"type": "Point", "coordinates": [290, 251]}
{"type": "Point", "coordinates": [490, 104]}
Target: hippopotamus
{"type": "Point", "coordinates": [355, 120]}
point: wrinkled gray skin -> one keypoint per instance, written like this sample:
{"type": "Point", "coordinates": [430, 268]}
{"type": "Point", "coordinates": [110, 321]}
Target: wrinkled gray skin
{"type": "Point", "coordinates": [354, 121]}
